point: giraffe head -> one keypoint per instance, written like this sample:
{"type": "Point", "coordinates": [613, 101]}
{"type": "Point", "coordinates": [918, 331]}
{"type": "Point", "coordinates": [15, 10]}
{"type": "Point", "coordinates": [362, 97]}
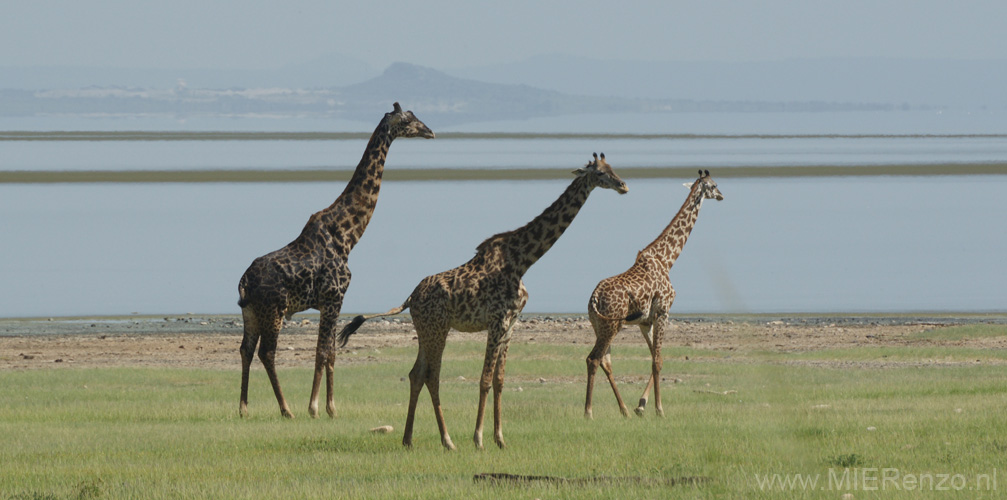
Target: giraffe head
{"type": "Point", "coordinates": [405, 124]}
{"type": "Point", "coordinates": [600, 174]}
{"type": "Point", "coordinates": [705, 188]}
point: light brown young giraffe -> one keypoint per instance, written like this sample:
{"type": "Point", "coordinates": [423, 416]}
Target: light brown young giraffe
{"type": "Point", "coordinates": [642, 296]}
{"type": "Point", "coordinates": [486, 293]}
{"type": "Point", "coordinates": [311, 271]}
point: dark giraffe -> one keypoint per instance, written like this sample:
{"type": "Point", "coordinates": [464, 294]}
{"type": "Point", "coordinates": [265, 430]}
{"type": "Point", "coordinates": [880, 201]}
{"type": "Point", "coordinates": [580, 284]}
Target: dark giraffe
{"type": "Point", "coordinates": [486, 293]}
{"type": "Point", "coordinates": [311, 271]}
{"type": "Point", "coordinates": [642, 296]}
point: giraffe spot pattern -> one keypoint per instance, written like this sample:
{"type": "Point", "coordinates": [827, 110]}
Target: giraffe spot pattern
{"type": "Point", "coordinates": [311, 272]}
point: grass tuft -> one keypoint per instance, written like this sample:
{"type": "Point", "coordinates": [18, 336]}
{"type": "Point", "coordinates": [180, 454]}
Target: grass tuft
{"type": "Point", "coordinates": [848, 460]}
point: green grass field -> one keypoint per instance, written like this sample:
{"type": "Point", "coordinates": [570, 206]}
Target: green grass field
{"type": "Point", "coordinates": [874, 422]}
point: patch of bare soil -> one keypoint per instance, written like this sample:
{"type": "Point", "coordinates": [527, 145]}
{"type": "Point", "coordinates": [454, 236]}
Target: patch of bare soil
{"type": "Point", "coordinates": [212, 342]}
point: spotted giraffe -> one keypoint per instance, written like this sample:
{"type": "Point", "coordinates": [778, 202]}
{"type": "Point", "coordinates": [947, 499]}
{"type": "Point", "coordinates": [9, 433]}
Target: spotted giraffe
{"type": "Point", "coordinates": [311, 271]}
{"type": "Point", "coordinates": [642, 296]}
{"type": "Point", "coordinates": [486, 293]}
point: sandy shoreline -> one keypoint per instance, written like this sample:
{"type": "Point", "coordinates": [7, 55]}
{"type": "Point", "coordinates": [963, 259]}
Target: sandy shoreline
{"type": "Point", "coordinates": [212, 342]}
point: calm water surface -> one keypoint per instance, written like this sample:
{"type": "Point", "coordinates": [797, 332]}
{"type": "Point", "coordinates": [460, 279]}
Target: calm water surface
{"type": "Point", "coordinates": [835, 244]}
{"type": "Point", "coordinates": [839, 244]}
{"type": "Point", "coordinates": [499, 153]}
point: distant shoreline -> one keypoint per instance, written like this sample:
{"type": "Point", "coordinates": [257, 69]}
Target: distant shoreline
{"type": "Point", "coordinates": [484, 174]}
{"type": "Point", "coordinates": [174, 135]}
{"type": "Point", "coordinates": [156, 323]}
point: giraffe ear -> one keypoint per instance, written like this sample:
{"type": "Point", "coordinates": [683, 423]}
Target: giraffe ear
{"type": "Point", "coordinates": [688, 184]}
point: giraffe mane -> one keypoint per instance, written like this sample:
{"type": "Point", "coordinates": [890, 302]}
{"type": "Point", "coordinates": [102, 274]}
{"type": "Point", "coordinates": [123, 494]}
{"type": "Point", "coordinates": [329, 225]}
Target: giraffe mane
{"type": "Point", "coordinates": [496, 237]}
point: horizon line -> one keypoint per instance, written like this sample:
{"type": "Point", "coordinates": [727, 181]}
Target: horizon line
{"type": "Point", "coordinates": [485, 174]}
{"type": "Point", "coordinates": [211, 135]}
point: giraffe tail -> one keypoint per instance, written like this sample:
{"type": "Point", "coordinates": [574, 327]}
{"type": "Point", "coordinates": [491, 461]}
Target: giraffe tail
{"type": "Point", "coordinates": [354, 325]}
{"type": "Point", "coordinates": [242, 298]}
{"type": "Point", "coordinates": [592, 308]}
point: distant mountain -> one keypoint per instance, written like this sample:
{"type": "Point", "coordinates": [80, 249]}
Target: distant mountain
{"type": "Point", "coordinates": [915, 82]}
{"type": "Point", "coordinates": [442, 98]}
{"type": "Point", "coordinates": [456, 100]}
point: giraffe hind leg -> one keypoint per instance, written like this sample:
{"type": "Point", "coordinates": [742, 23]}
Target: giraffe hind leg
{"type": "Point", "coordinates": [417, 377]}
{"type": "Point", "coordinates": [426, 372]}
{"type": "Point", "coordinates": [267, 354]}
{"type": "Point", "coordinates": [606, 366]}
{"type": "Point", "coordinates": [601, 356]}
{"type": "Point", "coordinates": [248, 344]}
{"type": "Point", "coordinates": [433, 383]}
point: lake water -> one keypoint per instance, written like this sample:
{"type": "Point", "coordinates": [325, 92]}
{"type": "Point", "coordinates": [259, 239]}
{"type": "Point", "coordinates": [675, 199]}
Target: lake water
{"type": "Point", "coordinates": [824, 244]}
{"type": "Point", "coordinates": [707, 152]}
{"type": "Point", "coordinates": [834, 244]}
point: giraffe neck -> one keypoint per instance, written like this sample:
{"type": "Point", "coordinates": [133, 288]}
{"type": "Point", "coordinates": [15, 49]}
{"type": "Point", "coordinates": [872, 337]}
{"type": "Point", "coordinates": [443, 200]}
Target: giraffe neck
{"type": "Point", "coordinates": [668, 246]}
{"type": "Point", "coordinates": [529, 243]}
{"type": "Point", "coordinates": [347, 217]}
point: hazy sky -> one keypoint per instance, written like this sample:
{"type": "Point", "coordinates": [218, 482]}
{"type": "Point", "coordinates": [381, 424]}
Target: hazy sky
{"type": "Point", "coordinates": [265, 34]}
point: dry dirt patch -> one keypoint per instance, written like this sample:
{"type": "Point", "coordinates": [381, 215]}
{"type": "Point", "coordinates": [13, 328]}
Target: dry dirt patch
{"type": "Point", "coordinates": [212, 341]}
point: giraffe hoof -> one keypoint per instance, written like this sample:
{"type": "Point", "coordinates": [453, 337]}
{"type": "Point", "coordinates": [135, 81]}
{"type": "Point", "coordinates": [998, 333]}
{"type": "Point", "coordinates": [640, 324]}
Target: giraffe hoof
{"type": "Point", "coordinates": [286, 414]}
{"type": "Point", "coordinates": [639, 411]}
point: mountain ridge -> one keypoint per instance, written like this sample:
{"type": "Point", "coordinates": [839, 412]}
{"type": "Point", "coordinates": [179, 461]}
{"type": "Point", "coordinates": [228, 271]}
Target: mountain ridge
{"type": "Point", "coordinates": [502, 93]}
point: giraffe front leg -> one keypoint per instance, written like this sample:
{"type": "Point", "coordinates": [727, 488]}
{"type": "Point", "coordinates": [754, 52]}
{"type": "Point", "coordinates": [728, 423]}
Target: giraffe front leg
{"type": "Point", "coordinates": [316, 384]}
{"type": "Point", "coordinates": [646, 330]}
{"type": "Point", "coordinates": [325, 352]}
{"type": "Point", "coordinates": [485, 383]}
{"type": "Point", "coordinates": [658, 362]}
{"type": "Point", "coordinates": [498, 382]}
{"type": "Point", "coordinates": [324, 363]}
{"type": "Point", "coordinates": [484, 389]}
{"type": "Point", "coordinates": [321, 362]}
